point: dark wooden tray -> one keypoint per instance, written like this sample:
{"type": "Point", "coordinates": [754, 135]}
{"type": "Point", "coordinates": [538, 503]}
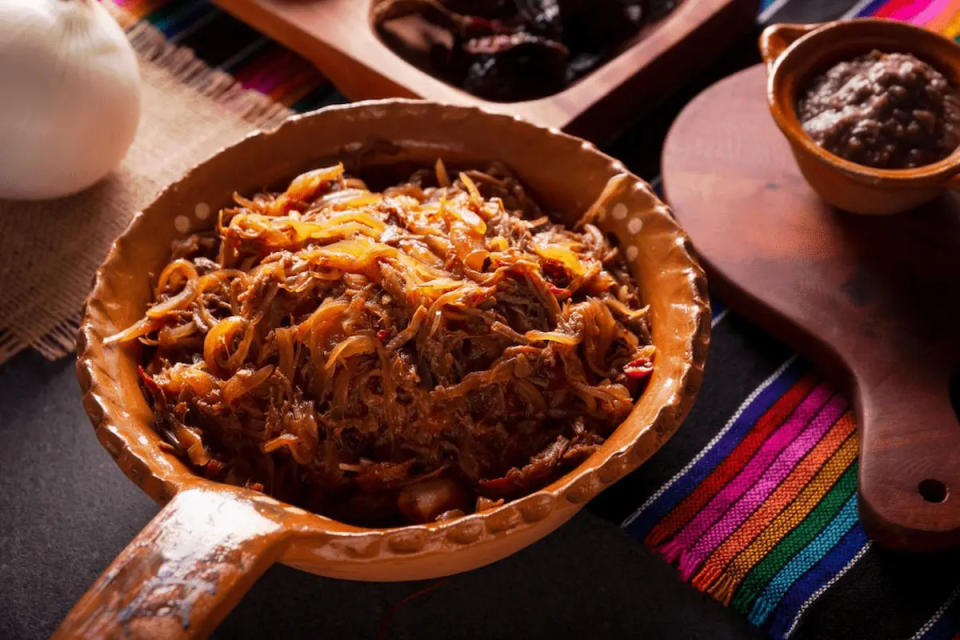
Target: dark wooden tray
{"type": "Point", "coordinates": [873, 299]}
{"type": "Point", "coordinates": [336, 36]}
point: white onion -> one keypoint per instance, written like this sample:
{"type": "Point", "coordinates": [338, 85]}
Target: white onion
{"type": "Point", "coordinates": [69, 96]}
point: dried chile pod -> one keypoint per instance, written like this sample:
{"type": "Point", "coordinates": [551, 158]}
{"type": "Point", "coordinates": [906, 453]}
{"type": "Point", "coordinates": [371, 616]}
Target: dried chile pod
{"type": "Point", "coordinates": [435, 12]}
{"type": "Point", "coordinates": [540, 17]}
{"type": "Point", "coordinates": [489, 9]}
{"type": "Point", "coordinates": [580, 64]}
{"type": "Point", "coordinates": [594, 26]}
{"type": "Point", "coordinates": [656, 9]}
{"type": "Point", "coordinates": [514, 67]}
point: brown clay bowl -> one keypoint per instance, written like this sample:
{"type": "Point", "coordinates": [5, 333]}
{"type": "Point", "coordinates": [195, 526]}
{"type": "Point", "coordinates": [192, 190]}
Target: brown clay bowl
{"type": "Point", "coordinates": [794, 53]}
{"type": "Point", "coordinates": [211, 541]}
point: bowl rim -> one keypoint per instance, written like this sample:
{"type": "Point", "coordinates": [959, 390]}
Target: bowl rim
{"type": "Point", "coordinates": [573, 489]}
{"type": "Point", "coordinates": [825, 39]}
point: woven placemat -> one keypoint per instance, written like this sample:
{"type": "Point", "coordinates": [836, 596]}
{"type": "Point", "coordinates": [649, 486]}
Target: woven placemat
{"type": "Point", "coordinates": [50, 250]}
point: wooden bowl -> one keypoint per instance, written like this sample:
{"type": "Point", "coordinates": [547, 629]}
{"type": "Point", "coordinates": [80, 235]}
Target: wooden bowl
{"type": "Point", "coordinates": [336, 35]}
{"type": "Point", "coordinates": [794, 53]}
{"type": "Point", "coordinates": [211, 541]}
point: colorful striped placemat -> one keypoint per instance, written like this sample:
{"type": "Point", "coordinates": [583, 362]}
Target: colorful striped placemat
{"type": "Point", "coordinates": [765, 514]}
{"type": "Point", "coordinates": [938, 15]}
{"type": "Point", "coordinates": [755, 499]}
{"type": "Point", "coordinates": [755, 503]}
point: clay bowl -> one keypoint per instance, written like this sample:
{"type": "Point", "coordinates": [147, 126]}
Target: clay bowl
{"type": "Point", "coordinates": [194, 561]}
{"type": "Point", "coordinates": [794, 53]}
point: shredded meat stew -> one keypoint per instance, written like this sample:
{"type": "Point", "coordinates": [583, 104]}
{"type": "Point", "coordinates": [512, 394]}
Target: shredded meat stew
{"type": "Point", "coordinates": [391, 357]}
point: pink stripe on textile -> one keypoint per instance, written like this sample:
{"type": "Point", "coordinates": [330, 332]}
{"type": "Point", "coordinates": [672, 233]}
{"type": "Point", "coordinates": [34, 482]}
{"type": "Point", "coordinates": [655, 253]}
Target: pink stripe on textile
{"type": "Point", "coordinates": [908, 10]}
{"type": "Point", "coordinates": [274, 64]}
{"type": "Point", "coordinates": [932, 11]}
{"type": "Point", "coordinates": [774, 444]}
{"type": "Point", "coordinates": [771, 479]}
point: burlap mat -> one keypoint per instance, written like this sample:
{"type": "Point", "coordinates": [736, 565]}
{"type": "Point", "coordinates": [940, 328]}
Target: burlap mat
{"type": "Point", "coordinates": [50, 250]}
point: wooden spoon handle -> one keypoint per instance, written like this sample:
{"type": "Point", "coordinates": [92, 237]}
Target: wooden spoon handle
{"type": "Point", "coordinates": [183, 573]}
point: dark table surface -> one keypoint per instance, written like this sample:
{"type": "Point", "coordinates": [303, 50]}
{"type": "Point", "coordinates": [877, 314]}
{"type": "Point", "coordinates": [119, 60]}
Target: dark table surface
{"type": "Point", "coordinates": [66, 510]}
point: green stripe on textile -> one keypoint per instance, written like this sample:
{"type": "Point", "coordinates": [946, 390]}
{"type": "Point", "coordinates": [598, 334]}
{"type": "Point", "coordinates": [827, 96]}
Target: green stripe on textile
{"type": "Point", "coordinates": [161, 14]}
{"type": "Point", "coordinates": [758, 578]}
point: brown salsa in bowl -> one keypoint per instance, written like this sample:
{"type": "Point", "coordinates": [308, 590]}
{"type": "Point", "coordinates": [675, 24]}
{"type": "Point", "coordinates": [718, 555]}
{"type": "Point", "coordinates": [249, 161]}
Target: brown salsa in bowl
{"type": "Point", "coordinates": [882, 110]}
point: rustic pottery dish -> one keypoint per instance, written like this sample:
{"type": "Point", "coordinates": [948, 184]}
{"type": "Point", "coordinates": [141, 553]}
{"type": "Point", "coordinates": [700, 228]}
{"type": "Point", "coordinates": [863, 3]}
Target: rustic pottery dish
{"type": "Point", "coordinates": [194, 561]}
{"type": "Point", "coordinates": [794, 53]}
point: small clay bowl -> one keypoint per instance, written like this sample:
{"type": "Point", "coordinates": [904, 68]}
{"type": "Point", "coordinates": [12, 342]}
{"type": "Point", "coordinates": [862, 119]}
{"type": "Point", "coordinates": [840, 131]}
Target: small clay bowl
{"type": "Point", "coordinates": [211, 541]}
{"type": "Point", "coordinates": [795, 53]}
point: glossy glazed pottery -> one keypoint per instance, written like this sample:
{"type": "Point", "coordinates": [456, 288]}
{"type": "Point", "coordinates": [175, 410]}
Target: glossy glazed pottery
{"type": "Point", "coordinates": [795, 53]}
{"type": "Point", "coordinates": [209, 544]}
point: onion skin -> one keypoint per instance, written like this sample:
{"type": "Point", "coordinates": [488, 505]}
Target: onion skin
{"type": "Point", "coordinates": [70, 90]}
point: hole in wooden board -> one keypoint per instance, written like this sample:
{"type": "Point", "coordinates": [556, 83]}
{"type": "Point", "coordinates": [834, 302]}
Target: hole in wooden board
{"type": "Point", "coordinates": [933, 490]}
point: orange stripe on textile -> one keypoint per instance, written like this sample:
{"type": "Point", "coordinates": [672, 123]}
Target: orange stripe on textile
{"type": "Point", "coordinates": [778, 500]}
{"type": "Point", "coordinates": [941, 22]}
{"type": "Point", "coordinates": [139, 9]}
{"type": "Point", "coordinates": [726, 585]}
{"type": "Point", "coordinates": [952, 30]}
{"type": "Point", "coordinates": [719, 477]}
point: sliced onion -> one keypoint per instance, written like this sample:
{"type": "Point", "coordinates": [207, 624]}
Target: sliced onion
{"type": "Point", "coordinates": [553, 336]}
{"type": "Point", "coordinates": [286, 351]}
{"type": "Point", "coordinates": [142, 327]}
{"type": "Point", "coordinates": [285, 440]}
{"type": "Point", "coordinates": [177, 266]}
{"type": "Point", "coordinates": [176, 303]}
{"type": "Point", "coordinates": [169, 336]}
{"type": "Point", "coordinates": [243, 382]}
{"type": "Point", "coordinates": [475, 198]}
{"type": "Point", "coordinates": [443, 178]}
{"type": "Point", "coordinates": [570, 260]}
{"type": "Point", "coordinates": [410, 331]}
{"type": "Point", "coordinates": [220, 337]}
{"type": "Point", "coordinates": [304, 187]}
{"type": "Point", "coordinates": [352, 346]}
{"type": "Point", "coordinates": [321, 322]}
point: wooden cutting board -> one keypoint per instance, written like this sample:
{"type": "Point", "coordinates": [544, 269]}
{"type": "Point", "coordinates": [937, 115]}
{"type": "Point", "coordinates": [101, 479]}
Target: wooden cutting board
{"type": "Point", "coordinates": [336, 35]}
{"type": "Point", "coordinates": [874, 300]}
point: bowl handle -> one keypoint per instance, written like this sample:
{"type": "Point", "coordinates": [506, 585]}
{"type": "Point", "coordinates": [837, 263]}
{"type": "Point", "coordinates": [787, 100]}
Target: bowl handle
{"type": "Point", "coordinates": [777, 37]}
{"type": "Point", "coordinates": [184, 572]}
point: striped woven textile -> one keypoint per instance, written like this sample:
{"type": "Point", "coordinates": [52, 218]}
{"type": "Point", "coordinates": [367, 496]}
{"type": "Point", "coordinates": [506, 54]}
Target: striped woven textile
{"type": "Point", "coordinates": [754, 501]}
{"type": "Point", "coordinates": [766, 514]}
{"type": "Point", "coordinates": [938, 15]}
{"type": "Point", "coordinates": [225, 43]}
